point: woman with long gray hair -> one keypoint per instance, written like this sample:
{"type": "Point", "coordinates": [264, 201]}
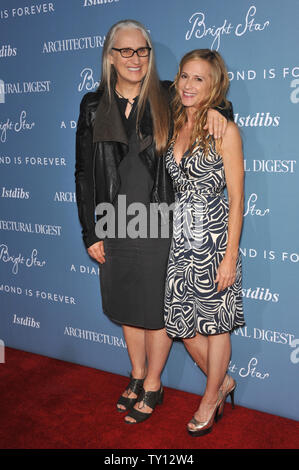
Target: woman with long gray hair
{"type": "Point", "coordinates": [122, 134]}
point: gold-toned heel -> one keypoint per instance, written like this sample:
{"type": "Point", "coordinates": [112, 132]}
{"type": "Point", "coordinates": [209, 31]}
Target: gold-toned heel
{"type": "Point", "coordinates": [205, 427]}
{"type": "Point", "coordinates": [231, 393]}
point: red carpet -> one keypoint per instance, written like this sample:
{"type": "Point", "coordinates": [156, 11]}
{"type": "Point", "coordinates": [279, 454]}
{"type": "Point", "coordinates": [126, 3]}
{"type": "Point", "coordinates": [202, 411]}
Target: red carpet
{"type": "Point", "coordinates": [50, 404]}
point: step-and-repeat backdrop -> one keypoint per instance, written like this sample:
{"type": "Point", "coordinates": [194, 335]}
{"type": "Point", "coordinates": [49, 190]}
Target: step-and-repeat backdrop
{"type": "Point", "coordinates": [50, 55]}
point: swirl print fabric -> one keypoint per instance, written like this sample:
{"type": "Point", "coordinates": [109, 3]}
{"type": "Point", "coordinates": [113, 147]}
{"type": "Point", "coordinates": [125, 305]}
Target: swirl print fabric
{"type": "Point", "coordinates": [200, 231]}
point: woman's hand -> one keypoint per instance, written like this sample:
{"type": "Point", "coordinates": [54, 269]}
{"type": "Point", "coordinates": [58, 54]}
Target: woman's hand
{"type": "Point", "coordinates": [216, 123]}
{"type": "Point", "coordinates": [226, 274]}
{"type": "Point", "coordinates": [97, 252]}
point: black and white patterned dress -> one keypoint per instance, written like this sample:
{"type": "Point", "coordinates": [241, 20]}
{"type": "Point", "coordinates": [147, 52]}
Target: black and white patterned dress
{"type": "Point", "coordinates": [192, 303]}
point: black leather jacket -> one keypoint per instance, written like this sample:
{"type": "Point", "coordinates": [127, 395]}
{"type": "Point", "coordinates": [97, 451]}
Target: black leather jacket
{"type": "Point", "coordinates": [101, 144]}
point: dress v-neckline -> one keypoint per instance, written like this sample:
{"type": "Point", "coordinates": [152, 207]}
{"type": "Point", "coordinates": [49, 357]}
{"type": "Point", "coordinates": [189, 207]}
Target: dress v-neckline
{"type": "Point", "coordinates": [185, 155]}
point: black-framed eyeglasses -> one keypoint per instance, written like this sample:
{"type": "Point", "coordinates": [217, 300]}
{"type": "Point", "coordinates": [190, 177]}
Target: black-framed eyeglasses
{"type": "Point", "coordinates": [127, 52]}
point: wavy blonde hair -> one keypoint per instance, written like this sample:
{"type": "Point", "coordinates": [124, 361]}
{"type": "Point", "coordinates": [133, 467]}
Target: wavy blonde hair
{"type": "Point", "coordinates": [217, 97]}
{"type": "Point", "coordinates": [151, 88]}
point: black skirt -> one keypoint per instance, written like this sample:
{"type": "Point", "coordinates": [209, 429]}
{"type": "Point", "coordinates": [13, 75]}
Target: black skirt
{"type": "Point", "coordinates": [133, 281]}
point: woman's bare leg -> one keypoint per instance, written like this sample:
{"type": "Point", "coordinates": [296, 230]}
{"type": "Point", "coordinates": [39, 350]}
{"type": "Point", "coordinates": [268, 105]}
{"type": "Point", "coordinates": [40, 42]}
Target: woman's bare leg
{"type": "Point", "coordinates": [158, 345]}
{"type": "Point", "coordinates": [198, 350]}
{"type": "Point", "coordinates": [197, 347]}
{"type": "Point", "coordinates": [219, 351]}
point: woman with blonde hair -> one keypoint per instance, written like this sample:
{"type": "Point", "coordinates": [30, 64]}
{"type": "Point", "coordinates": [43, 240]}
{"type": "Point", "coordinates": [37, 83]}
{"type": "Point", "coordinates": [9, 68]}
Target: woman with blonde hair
{"type": "Point", "coordinates": [203, 300]}
{"type": "Point", "coordinates": [122, 133]}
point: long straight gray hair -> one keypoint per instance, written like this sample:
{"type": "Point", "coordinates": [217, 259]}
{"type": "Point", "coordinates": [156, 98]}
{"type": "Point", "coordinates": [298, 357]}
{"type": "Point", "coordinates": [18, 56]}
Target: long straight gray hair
{"type": "Point", "coordinates": [151, 89]}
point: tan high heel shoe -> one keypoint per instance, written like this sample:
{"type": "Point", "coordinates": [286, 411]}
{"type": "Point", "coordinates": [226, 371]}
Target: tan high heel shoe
{"type": "Point", "coordinates": [227, 391]}
{"type": "Point", "coordinates": [204, 427]}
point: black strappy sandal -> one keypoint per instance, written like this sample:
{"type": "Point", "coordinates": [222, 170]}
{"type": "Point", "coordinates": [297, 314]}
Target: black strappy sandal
{"type": "Point", "coordinates": [135, 386]}
{"type": "Point", "coordinates": [150, 399]}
